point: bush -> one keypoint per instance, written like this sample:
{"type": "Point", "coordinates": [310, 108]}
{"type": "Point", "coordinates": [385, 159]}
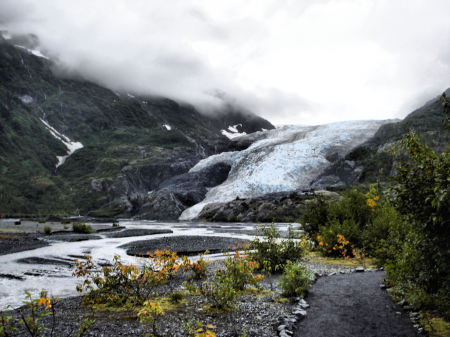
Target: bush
{"type": "Point", "coordinates": [227, 284]}
{"type": "Point", "coordinates": [295, 280]}
{"type": "Point", "coordinates": [240, 269]}
{"type": "Point", "coordinates": [271, 252]}
{"type": "Point", "coordinates": [47, 230]}
{"type": "Point", "coordinates": [32, 315]}
{"type": "Point", "coordinates": [176, 297]}
{"type": "Point", "coordinates": [198, 268]}
{"type": "Point", "coordinates": [81, 227]}
{"type": "Point", "coordinates": [316, 214]}
{"type": "Point", "coordinates": [123, 284]}
{"type": "Point", "coordinates": [420, 269]}
{"type": "Point", "coordinates": [219, 291]}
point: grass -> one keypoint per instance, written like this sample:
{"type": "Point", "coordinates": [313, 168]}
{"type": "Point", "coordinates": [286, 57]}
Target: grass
{"type": "Point", "coordinates": [434, 325]}
{"type": "Point", "coordinates": [316, 257]}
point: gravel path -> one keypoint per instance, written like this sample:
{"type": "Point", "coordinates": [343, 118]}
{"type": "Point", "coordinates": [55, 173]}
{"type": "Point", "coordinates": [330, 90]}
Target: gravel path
{"type": "Point", "coordinates": [353, 305]}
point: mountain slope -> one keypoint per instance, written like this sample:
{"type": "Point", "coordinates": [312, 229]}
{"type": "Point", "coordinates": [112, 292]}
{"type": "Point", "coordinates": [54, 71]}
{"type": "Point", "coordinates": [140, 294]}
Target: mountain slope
{"type": "Point", "coordinates": [125, 145]}
{"type": "Point", "coordinates": [373, 158]}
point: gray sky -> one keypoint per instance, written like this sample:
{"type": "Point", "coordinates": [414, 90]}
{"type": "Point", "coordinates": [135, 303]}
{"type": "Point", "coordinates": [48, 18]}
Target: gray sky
{"type": "Point", "coordinates": [290, 61]}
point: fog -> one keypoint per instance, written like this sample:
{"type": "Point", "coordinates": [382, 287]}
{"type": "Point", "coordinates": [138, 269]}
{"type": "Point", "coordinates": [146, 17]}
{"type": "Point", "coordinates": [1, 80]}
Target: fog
{"type": "Point", "coordinates": [292, 62]}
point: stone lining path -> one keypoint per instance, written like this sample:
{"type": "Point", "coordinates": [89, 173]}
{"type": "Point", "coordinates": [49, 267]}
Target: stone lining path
{"type": "Point", "coordinates": [347, 305]}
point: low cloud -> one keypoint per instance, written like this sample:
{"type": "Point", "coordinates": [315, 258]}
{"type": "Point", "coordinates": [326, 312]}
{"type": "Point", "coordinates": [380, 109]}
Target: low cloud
{"type": "Point", "coordinates": [292, 62]}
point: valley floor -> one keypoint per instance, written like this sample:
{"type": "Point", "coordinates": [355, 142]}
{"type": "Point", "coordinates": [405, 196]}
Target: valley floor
{"type": "Point", "coordinates": [342, 303]}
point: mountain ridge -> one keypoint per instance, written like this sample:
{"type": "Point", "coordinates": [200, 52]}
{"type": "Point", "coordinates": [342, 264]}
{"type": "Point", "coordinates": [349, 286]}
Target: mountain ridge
{"type": "Point", "coordinates": [130, 143]}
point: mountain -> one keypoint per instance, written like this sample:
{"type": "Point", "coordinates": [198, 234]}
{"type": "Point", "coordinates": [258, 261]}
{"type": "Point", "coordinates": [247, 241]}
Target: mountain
{"type": "Point", "coordinates": [69, 145]}
{"type": "Point", "coordinates": [373, 158]}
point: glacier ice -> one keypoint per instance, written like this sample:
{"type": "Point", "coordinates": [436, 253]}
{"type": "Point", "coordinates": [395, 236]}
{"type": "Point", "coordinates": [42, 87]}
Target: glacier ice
{"type": "Point", "coordinates": [282, 159]}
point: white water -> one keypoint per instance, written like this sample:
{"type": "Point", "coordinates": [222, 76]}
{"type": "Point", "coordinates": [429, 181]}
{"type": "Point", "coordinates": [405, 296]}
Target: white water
{"type": "Point", "coordinates": [58, 280]}
{"type": "Point", "coordinates": [283, 159]}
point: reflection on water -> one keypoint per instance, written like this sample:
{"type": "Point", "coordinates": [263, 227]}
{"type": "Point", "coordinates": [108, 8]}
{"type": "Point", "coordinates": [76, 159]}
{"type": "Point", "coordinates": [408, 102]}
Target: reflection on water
{"type": "Point", "coordinates": [46, 273]}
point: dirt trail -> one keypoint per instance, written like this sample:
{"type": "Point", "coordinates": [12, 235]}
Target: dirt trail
{"type": "Point", "coordinates": [353, 305]}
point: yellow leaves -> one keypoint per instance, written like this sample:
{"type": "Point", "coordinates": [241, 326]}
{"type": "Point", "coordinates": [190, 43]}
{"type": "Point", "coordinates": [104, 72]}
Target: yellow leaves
{"type": "Point", "coordinates": [205, 331]}
{"type": "Point", "coordinates": [47, 302]}
{"type": "Point", "coordinates": [371, 203]}
{"type": "Point", "coordinates": [372, 197]}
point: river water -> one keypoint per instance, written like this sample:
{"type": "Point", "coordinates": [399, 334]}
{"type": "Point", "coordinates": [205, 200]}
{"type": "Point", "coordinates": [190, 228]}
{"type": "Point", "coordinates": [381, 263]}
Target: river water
{"type": "Point", "coordinates": [58, 279]}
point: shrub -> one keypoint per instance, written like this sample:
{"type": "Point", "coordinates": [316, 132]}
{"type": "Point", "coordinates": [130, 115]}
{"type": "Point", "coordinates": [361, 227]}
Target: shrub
{"type": "Point", "coordinates": [82, 228]}
{"type": "Point", "coordinates": [123, 284]}
{"type": "Point", "coordinates": [219, 291]}
{"type": "Point", "coordinates": [198, 329]}
{"type": "Point", "coordinates": [32, 315]}
{"type": "Point", "coordinates": [227, 283]}
{"type": "Point", "coordinates": [47, 230]}
{"type": "Point", "coordinates": [148, 314]}
{"type": "Point", "coordinates": [271, 252]}
{"type": "Point", "coordinates": [198, 268]}
{"type": "Point", "coordinates": [176, 297]}
{"type": "Point", "coordinates": [316, 214]}
{"type": "Point", "coordinates": [240, 269]}
{"type": "Point", "coordinates": [336, 238]}
{"type": "Point", "coordinates": [295, 280]}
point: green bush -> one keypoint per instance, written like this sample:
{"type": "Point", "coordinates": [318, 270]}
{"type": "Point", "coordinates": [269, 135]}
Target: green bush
{"type": "Point", "coordinates": [272, 252]}
{"type": "Point", "coordinates": [176, 297]}
{"type": "Point", "coordinates": [228, 283]}
{"type": "Point", "coordinates": [420, 269]}
{"type": "Point", "coordinates": [296, 280]}
{"type": "Point", "coordinates": [240, 269]}
{"type": "Point", "coordinates": [81, 227]}
{"type": "Point", "coordinates": [219, 291]}
{"type": "Point", "coordinates": [316, 214]}
{"type": "Point", "coordinates": [47, 230]}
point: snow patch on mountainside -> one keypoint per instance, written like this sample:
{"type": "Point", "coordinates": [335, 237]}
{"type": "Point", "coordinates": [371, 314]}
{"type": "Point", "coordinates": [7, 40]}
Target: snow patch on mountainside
{"type": "Point", "coordinates": [71, 145]}
{"type": "Point", "coordinates": [233, 132]}
{"type": "Point", "coordinates": [284, 159]}
{"type": "Point", "coordinates": [35, 52]}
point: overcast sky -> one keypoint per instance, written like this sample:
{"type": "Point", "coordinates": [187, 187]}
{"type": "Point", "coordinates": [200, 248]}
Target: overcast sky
{"type": "Point", "coordinates": [290, 61]}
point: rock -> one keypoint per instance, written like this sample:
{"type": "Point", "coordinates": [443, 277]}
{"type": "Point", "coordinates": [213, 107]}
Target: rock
{"type": "Point", "coordinates": [359, 270]}
{"type": "Point", "coordinates": [302, 301]}
{"type": "Point", "coordinates": [408, 308]}
{"type": "Point", "coordinates": [281, 327]}
{"type": "Point", "coordinates": [401, 303]}
{"type": "Point", "coordinates": [382, 286]}
{"type": "Point", "coordinates": [176, 194]}
{"type": "Point", "coordinates": [299, 312]}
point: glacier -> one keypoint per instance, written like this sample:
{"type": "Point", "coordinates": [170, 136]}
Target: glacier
{"type": "Point", "coordinates": [283, 159]}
